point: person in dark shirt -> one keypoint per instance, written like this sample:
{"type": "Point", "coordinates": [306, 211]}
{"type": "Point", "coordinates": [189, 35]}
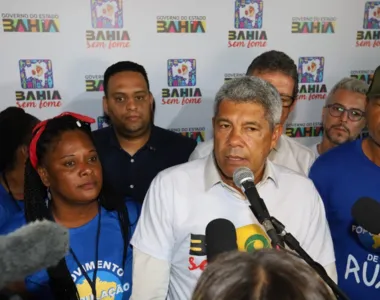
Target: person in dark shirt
{"type": "Point", "coordinates": [132, 149]}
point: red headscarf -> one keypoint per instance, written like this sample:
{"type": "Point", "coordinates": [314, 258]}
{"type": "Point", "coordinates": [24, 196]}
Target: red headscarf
{"type": "Point", "coordinates": [39, 129]}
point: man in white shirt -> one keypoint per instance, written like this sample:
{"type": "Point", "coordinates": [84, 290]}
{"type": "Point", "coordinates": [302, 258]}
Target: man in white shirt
{"type": "Point", "coordinates": [169, 242]}
{"type": "Point", "coordinates": [343, 114]}
{"type": "Point", "coordinates": [280, 70]}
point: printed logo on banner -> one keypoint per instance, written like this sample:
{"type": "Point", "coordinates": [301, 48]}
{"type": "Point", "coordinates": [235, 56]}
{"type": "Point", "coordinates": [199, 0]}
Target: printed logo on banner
{"type": "Point", "coordinates": [196, 133]}
{"type": "Point", "coordinates": [94, 83]}
{"type": "Point", "coordinates": [107, 21]}
{"type": "Point", "coordinates": [365, 75]}
{"type": "Point", "coordinates": [313, 25]}
{"type": "Point", "coordinates": [102, 122]}
{"type": "Point", "coordinates": [36, 77]}
{"type": "Point", "coordinates": [43, 23]}
{"type": "Point", "coordinates": [248, 19]}
{"type": "Point", "coordinates": [298, 130]}
{"type": "Point", "coordinates": [181, 24]}
{"type": "Point", "coordinates": [182, 79]}
{"type": "Point", "coordinates": [229, 76]}
{"type": "Point", "coordinates": [310, 76]}
{"type": "Point", "coordinates": [370, 36]}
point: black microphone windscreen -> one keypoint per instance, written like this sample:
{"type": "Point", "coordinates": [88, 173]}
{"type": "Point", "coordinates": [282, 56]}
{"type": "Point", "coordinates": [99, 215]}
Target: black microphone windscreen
{"type": "Point", "coordinates": [366, 212]}
{"type": "Point", "coordinates": [220, 237]}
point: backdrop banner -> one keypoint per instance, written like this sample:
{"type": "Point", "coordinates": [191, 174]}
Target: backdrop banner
{"type": "Point", "coordinates": [54, 53]}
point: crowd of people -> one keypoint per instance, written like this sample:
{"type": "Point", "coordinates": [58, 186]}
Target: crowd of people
{"type": "Point", "coordinates": [137, 198]}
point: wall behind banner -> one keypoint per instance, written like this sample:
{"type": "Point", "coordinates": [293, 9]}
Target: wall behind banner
{"type": "Point", "coordinates": [54, 53]}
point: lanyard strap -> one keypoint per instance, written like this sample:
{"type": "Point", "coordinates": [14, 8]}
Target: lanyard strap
{"type": "Point", "coordinates": [92, 282]}
{"type": "Point", "coordinates": [10, 192]}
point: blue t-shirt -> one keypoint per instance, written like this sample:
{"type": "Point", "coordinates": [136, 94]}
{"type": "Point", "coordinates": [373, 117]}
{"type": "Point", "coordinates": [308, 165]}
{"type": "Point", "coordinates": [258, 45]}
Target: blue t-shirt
{"type": "Point", "coordinates": [8, 206]}
{"type": "Point", "coordinates": [342, 176]}
{"type": "Point", "coordinates": [114, 281]}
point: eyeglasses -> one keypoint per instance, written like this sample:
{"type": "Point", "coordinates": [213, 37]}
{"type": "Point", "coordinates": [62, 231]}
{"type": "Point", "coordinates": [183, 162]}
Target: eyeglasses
{"type": "Point", "coordinates": [287, 101]}
{"type": "Point", "coordinates": [353, 114]}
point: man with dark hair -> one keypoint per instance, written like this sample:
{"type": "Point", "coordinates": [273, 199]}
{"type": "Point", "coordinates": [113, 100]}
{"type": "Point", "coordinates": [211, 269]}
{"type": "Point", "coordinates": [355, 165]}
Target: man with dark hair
{"type": "Point", "coordinates": [343, 175]}
{"type": "Point", "coordinates": [132, 149]}
{"type": "Point", "coordinates": [280, 70]}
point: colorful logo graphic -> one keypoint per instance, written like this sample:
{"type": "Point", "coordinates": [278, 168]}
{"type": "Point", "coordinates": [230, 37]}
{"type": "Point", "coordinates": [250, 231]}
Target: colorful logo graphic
{"type": "Point", "coordinates": [36, 73]}
{"type": "Point", "coordinates": [252, 237]}
{"type": "Point", "coordinates": [30, 23]}
{"type": "Point", "coordinates": [94, 83]}
{"type": "Point", "coordinates": [364, 75]}
{"type": "Point", "coordinates": [300, 130]}
{"type": "Point", "coordinates": [107, 13]}
{"type": "Point", "coordinates": [313, 25]}
{"type": "Point", "coordinates": [36, 80]}
{"type": "Point", "coordinates": [367, 240]}
{"type": "Point", "coordinates": [310, 69]}
{"type": "Point", "coordinates": [181, 24]}
{"type": "Point", "coordinates": [248, 14]}
{"type": "Point", "coordinates": [371, 18]}
{"type": "Point", "coordinates": [197, 133]}
{"type": "Point", "coordinates": [102, 122]}
{"type": "Point", "coordinates": [182, 72]}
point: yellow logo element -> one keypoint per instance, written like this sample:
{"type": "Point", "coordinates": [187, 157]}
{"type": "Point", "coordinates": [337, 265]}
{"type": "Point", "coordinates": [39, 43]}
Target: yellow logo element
{"type": "Point", "coordinates": [85, 290]}
{"type": "Point", "coordinates": [252, 237]}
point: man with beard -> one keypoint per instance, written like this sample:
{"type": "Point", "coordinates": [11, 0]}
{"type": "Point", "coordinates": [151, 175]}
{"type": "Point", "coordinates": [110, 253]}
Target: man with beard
{"type": "Point", "coordinates": [343, 175]}
{"type": "Point", "coordinates": [343, 115]}
{"type": "Point", "coordinates": [133, 150]}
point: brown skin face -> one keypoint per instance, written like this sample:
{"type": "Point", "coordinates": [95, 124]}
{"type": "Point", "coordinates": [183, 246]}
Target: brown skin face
{"type": "Point", "coordinates": [242, 137]}
{"type": "Point", "coordinates": [371, 145]}
{"type": "Point", "coordinates": [71, 170]}
{"type": "Point", "coordinates": [339, 130]}
{"type": "Point", "coordinates": [284, 85]}
{"type": "Point", "coordinates": [129, 104]}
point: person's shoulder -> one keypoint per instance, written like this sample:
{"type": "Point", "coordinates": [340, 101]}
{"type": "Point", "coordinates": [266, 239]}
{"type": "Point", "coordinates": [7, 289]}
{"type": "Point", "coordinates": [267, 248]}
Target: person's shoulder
{"type": "Point", "coordinates": [298, 148]}
{"type": "Point", "coordinates": [287, 175]}
{"type": "Point", "coordinates": [333, 157]}
{"type": "Point", "coordinates": [174, 138]}
{"type": "Point", "coordinates": [190, 169]}
{"type": "Point", "coordinates": [100, 135]}
{"type": "Point", "coordinates": [15, 222]}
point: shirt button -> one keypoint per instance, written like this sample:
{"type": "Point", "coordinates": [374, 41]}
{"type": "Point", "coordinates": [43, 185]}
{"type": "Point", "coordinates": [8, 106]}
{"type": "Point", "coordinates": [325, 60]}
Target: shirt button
{"type": "Point", "coordinates": [131, 186]}
{"type": "Point", "coordinates": [132, 160]}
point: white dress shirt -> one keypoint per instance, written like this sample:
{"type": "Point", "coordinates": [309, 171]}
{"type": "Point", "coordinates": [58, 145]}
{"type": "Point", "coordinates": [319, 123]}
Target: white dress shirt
{"type": "Point", "coordinates": [169, 252]}
{"type": "Point", "coordinates": [314, 148]}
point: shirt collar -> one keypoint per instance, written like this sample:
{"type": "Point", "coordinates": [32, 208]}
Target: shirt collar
{"type": "Point", "coordinates": [212, 176]}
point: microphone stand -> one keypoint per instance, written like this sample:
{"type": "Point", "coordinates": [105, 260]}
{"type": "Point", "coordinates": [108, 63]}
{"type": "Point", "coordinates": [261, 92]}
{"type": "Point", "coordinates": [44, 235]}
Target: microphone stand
{"type": "Point", "coordinates": [293, 244]}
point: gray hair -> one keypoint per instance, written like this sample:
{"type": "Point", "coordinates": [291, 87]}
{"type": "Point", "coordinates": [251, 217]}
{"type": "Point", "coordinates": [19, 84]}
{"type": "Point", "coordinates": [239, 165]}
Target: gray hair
{"type": "Point", "coordinates": [252, 89]}
{"type": "Point", "coordinates": [349, 84]}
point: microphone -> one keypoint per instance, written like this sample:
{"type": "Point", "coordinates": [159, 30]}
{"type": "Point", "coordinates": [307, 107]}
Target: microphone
{"type": "Point", "coordinates": [366, 212]}
{"type": "Point", "coordinates": [220, 238]}
{"type": "Point", "coordinates": [31, 248]}
{"type": "Point", "coordinates": [244, 179]}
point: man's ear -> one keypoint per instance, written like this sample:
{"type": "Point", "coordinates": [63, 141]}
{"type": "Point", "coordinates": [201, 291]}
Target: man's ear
{"type": "Point", "coordinates": [105, 105]}
{"type": "Point", "coordinates": [277, 131]}
{"type": "Point", "coordinates": [42, 172]}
